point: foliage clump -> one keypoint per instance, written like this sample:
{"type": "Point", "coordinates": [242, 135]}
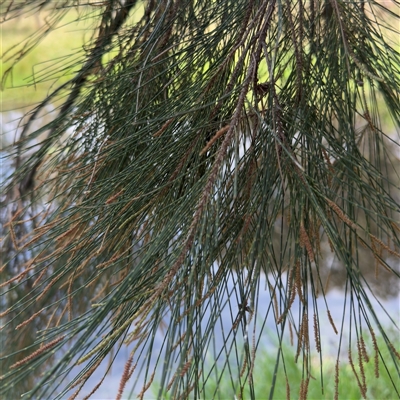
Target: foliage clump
{"type": "Point", "coordinates": [200, 148]}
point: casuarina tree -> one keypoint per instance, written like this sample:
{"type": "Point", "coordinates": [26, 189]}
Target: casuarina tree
{"type": "Point", "coordinates": [202, 152]}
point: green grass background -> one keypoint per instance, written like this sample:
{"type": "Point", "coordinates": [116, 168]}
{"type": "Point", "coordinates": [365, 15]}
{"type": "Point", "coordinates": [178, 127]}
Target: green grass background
{"type": "Point", "coordinates": [386, 387]}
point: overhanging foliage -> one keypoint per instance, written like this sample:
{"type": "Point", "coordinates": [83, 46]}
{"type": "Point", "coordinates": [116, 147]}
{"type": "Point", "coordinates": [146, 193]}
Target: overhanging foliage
{"type": "Point", "coordinates": [201, 143]}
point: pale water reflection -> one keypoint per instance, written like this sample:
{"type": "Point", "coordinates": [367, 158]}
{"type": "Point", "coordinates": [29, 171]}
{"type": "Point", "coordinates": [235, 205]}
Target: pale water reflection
{"type": "Point", "coordinates": [329, 340]}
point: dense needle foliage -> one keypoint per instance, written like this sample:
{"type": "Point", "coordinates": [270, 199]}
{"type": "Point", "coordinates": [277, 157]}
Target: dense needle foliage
{"type": "Point", "coordinates": [201, 143]}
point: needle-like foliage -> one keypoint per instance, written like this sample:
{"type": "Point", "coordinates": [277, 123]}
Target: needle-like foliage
{"type": "Point", "coordinates": [200, 149]}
